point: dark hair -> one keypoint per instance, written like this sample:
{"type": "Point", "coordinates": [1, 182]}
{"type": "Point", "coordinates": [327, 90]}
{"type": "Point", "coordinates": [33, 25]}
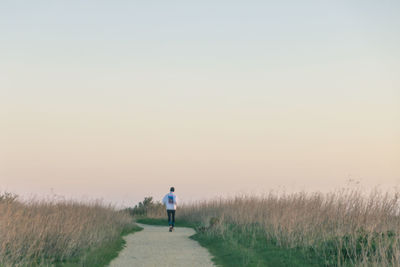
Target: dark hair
{"type": "Point", "coordinates": [172, 189]}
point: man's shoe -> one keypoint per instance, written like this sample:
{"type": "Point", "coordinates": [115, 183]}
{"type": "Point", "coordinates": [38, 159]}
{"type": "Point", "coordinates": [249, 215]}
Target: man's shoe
{"type": "Point", "coordinates": [170, 228]}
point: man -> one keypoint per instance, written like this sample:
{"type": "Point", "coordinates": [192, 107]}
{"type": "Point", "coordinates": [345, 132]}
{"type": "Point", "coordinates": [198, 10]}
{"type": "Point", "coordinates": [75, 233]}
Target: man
{"type": "Point", "coordinates": [170, 202]}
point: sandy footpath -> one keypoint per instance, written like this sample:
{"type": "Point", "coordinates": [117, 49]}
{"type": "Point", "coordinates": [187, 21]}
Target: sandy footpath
{"type": "Point", "coordinates": [155, 246]}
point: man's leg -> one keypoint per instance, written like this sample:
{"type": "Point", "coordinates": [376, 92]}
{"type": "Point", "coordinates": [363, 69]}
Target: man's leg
{"type": "Point", "coordinates": [173, 217]}
{"type": "Point", "coordinates": [169, 217]}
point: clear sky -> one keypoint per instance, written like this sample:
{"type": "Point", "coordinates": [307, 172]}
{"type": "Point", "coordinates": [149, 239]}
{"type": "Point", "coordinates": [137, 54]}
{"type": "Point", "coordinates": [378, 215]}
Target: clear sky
{"type": "Point", "coordinates": [122, 99]}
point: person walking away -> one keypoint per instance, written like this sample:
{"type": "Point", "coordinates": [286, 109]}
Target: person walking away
{"type": "Point", "coordinates": [170, 201]}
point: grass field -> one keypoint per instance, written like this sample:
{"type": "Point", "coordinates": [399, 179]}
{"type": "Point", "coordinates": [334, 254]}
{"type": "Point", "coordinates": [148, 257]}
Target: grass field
{"type": "Point", "coordinates": [345, 228]}
{"type": "Point", "coordinates": [60, 233]}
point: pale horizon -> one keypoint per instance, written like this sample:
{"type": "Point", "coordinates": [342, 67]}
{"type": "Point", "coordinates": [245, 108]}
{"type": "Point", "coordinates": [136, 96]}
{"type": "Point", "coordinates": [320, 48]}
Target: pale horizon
{"type": "Point", "coordinates": [122, 100]}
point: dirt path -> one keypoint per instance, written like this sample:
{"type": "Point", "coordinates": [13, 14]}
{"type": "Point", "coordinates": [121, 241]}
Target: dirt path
{"type": "Point", "coordinates": [155, 246]}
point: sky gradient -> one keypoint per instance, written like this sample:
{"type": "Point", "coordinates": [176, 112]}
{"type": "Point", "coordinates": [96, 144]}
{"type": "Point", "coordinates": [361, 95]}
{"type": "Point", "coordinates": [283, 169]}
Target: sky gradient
{"type": "Point", "coordinates": [122, 99]}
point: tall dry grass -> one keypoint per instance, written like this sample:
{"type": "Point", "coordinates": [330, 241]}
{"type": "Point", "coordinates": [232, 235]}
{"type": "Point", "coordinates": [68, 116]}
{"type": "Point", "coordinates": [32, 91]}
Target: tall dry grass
{"type": "Point", "coordinates": [344, 227]}
{"type": "Point", "coordinates": [45, 232]}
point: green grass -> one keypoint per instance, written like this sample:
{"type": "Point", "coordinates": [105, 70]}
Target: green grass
{"type": "Point", "coordinates": [100, 256]}
{"type": "Point", "coordinates": [238, 247]}
{"type": "Point", "coordinates": [250, 248]}
{"type": "Point", "coordinates": [164, 222]}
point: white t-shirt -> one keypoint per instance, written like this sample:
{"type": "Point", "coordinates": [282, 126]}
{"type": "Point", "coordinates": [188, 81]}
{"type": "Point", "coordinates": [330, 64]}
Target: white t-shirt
{"type": "Point", "coordinates": [170, 200]}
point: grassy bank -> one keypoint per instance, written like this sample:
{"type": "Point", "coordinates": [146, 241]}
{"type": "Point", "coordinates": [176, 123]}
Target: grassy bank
{"type": "Point", "coordinates": [344, 228]}
{"type": "Point", "coordinates": [61, 233]}
{"type": "Point", "coordinates": [101, 255]}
